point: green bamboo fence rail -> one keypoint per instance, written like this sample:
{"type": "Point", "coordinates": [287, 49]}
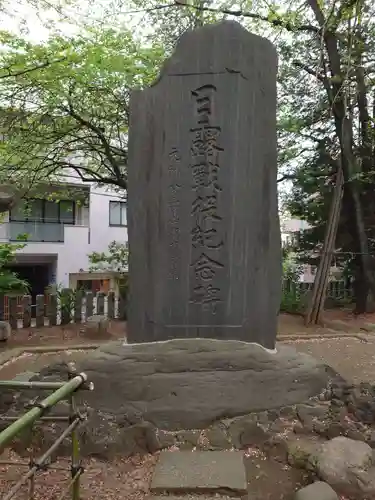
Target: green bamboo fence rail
{"type": "Point", "coordinates": [62, 391]}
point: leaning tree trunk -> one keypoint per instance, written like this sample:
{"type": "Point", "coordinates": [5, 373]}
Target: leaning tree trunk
{"type": "Point", "coordinates": [334, 85]}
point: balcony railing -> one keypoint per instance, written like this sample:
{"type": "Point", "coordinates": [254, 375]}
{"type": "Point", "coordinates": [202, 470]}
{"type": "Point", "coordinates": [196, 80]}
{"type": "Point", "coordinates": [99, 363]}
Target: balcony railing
{"type": "Point", "coordinates": [51, 232]}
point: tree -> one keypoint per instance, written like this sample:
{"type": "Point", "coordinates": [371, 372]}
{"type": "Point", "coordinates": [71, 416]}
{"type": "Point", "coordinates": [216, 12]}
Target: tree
{"type": "Point", "coordinates": [9, 281]}
{"type": "Point", "coordinates": [72, 118]}
{"type": "Point", "coordinates": [115, 259]}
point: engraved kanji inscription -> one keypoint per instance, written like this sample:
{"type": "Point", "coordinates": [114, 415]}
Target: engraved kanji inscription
{"type": "Point", "coordinates": [205, 267]}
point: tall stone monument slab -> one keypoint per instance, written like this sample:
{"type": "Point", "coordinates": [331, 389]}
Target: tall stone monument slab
{"type": "Point", "coordinates": [204, 234]}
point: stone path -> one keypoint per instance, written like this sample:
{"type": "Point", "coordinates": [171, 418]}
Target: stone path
{"type": "Point", "coordinates": [184, 472]}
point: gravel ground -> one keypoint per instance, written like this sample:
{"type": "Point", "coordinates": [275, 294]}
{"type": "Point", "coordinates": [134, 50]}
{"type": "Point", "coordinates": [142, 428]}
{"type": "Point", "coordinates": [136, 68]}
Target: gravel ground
{"type": "Point", "coordinates": [354, 359]}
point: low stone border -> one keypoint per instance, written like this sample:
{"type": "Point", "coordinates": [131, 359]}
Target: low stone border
{"type": "Point", "coordinates": [19, 351]}
{"type": "Point", "coordinates": [315, 336]}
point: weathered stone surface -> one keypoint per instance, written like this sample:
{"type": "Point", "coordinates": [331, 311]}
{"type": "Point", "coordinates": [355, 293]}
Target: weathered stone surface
{"type": "Point", "coordinates": [204, 471]}
{"type": "Point", "coordinates": [217, 438]}
{"type": "Point", "coordinates": [317, 491]}
{"type": "Point", "coordinates": [97, 326]}
{"type": "Point", "coordinates": [5, 330]}
{"type": "Point", "coordinates": [24, 376]}
{"type": "Point", "coordinates": [302, 453]}
{"type": "Point", "coordinates": [245, 433]}
{"type": "Point", "coordinates": [205, 252]}
{"type": "Point", "coordinates": [347, 466]}
{"type": "Point", "coordinates": [188, 384]}
{"type": "Point", "coordinates": [188, 439]}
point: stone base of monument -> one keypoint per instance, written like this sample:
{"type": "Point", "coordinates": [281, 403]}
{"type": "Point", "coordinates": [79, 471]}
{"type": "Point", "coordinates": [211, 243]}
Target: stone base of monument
{"type": "Point", "coordinates": [188, 384]}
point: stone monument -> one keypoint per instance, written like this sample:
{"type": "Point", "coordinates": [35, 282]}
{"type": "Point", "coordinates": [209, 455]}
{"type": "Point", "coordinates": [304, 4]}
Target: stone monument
{"type": "Point", "coordinates": [204, 234]}
{"type": "Point", "coordinates": [205, 257]}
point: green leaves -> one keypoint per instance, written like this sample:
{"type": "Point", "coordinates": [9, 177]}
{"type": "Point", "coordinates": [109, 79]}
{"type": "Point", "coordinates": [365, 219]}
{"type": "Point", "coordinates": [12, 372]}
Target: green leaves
{"type": "Point", "coordinates": [116, 259]}
{"type": "Point", "coordinates": [69, 114]}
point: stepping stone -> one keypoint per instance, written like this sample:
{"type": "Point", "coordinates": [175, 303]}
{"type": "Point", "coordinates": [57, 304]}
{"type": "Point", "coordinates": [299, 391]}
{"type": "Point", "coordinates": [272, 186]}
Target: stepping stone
{"type": "Point", "coordinates": [200, 472]}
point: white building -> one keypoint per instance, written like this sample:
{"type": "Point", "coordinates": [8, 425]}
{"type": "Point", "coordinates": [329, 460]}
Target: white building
{"type": "Point", "coordinates": [60, 235]}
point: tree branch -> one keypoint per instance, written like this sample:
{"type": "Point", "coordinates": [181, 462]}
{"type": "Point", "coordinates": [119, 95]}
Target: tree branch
{"type": "Point", "coordinates": [274, 19]}
{"type": "Point", "coordinates": [29, 70]}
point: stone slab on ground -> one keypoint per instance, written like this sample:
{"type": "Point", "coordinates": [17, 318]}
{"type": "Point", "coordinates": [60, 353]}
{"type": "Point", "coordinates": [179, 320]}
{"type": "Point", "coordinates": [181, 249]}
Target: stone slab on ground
{"type": "Point", "coordinates": [200, 472]}
{"type": "Point", "coordinates": [188, 383]}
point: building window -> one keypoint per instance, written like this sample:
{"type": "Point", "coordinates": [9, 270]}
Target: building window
{"type": "Point", "coordinates": [117, 213]}
{"type": "Point", "coordinates": [44, 211]}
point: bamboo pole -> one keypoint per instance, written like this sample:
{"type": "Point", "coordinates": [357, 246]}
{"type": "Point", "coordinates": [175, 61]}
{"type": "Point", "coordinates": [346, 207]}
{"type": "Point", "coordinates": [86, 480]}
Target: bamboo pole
{"type": "Point", "coordinates": [46, 404]}
{"type": "Point", "coordinates": [40, 461]}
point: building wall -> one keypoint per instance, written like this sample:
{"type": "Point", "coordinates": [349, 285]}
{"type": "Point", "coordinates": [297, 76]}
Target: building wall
{"type": "Point", "coordinates": [92, 232]}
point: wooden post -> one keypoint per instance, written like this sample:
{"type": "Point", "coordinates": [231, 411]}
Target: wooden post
{"type": "Point", "coordinates": [26, 311]}
{"type": "Point", "coordinates": [100, 303]}
{"type": "Point", "coordinates": [13, 313]}
{"type": "Point", "coordinates": [111, 305]}
{"type": "Point", "coordinates": [122, 307]}
{"type": "Point", "coordinates": [39, 310]}
{"type": "Point", "coordinates": [52, 309]}
{"type": "Point", "coordinates": [78, 306]}
{"type": "Point", "coordinates": [89, 304]}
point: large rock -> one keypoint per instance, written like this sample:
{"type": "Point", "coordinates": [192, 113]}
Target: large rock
{"type": "Point", "coordinates": [317, 491]}
{"type": "Point", "coordinates": [188, 384]}
{"type": "Point", "coordinates": [347, 466]}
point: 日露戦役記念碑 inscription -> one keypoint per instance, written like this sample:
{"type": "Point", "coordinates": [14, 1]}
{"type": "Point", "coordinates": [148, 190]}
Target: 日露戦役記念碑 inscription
{"type": "Point", "coordinates": [207, 236]}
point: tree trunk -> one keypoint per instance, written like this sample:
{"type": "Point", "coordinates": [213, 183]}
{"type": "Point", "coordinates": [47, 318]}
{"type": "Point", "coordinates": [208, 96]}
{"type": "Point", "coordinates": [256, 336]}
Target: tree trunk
{"type": "Point", "coordinates": [361, 290]}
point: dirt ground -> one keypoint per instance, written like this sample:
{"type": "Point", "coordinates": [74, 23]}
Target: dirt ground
{"type": "Point", "coordinates": [58, 335]}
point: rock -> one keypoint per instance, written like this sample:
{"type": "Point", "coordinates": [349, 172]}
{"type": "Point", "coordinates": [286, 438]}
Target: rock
{"type": "Point", "coordinates": [175, 384]}
{"type": "Point", "coordinates": [217, 438]}
{"type": "Point", "coordinates": [104, 438]}
{"type": "Point", "coordinates": [188, 439]}
{"type": "Point", "coordinates": [302, 453]}
{"type": "Point", "coordinates": [166, 439]}
{"type": "Point", "coordinates": [335, 429]}
{"type": "Point", "coordinates": [5, 331]}
{"type": "Point", "coordinates": [345, 464]}
{"type": "Point", "coordinates": [317, 491]}
{"type": "Point", "coordinates": [97, 327]}
{"type": "Point", "coordinates": [371, 439]}
{"type": "Point", "coordinates": [200, 472]}
{"type": "Point", "coordinates": [309, 414]}
{"type": "Point", "coordinates": [244, 433]}
{"type": "Point", "coordinates": [357, 435]}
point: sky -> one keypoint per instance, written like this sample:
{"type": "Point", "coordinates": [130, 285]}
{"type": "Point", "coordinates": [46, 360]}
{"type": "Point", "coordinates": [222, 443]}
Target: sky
{"type": "Point", "coordinates": [38, 26]}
